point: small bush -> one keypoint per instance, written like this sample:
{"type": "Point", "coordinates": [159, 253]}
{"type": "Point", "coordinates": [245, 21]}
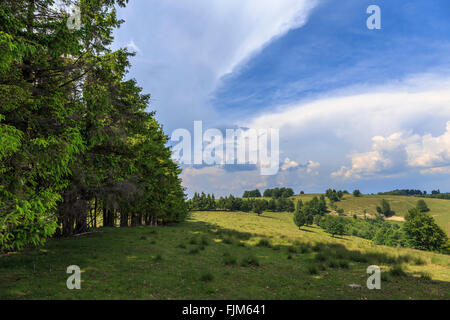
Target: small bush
{"type": "Point", "coordinates": [194, 251]}
{"type": "Point", "coordinates": [207, 277]}
{"type": "Point", "coordinates": [343, 264]}
{"type": "Point", "coordinates": [228, 240]}
{"type": "Point", "coordinates": [312, 269]}
{"type": "Point", "coordinates": [229, 260]}
{"type": "Point", "coordinates": [304, 249]}
{"type": "Point", "coordinates": [182, 246]}
{"type": "Point", "coordinates": [250, 261]}
{"type": "Point", "coordinates": [143, 238]}
{"type": "Point", "coordinates": [193, 241]}
{"type": "Point", "coordinates": [158, 258]}
{"type": "Point", "coordinates": [397, 271]}
{"type": "Point", "coordinates": [204, 241]}
{"type": "Point", "coordinates": [317, 247]}
{"type": "Point", "coordinates": [320, 257]}
{"type": "Point", "coordinates": [425, 276]}
{"type": "Point", "coordinates": [264, 243]}
{"type": "Point", "coordinates": [291, 250]}
{"type": "Point", "coordinates": [419, 262]}
{"type": "Point", "coordinates": [289, 257]}
{"type": "Point", "coordinates": [332, 264]}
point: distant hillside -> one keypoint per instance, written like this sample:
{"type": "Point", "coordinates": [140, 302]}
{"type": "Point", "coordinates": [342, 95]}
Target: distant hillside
{"type": "Point", "coordinates": [439, 208]}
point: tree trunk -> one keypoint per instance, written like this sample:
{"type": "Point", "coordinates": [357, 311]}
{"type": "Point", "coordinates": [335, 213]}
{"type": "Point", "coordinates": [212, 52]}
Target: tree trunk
{"type": "Point", "coordinates": [123, 219]}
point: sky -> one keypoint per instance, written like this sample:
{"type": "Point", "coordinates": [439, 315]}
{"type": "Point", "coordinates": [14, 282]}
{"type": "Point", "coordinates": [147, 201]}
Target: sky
{"type": "Point", "coordinates": [356, 108]}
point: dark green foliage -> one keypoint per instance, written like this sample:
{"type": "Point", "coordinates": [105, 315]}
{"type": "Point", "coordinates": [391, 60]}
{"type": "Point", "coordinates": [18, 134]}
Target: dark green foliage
{"type": "Point", "coordinates": [75, 136]}
{"type": "Point", "coordinates": [334, 195]}
{"type": "Point", "coordinates": [207, 277]}
{"type": "Point", "coordinates": [252, 194]}
{"type": "Point", "coordinates": [264, 243]}
{"type": "Point", "coordinates": [422, 206]}
{"type": "Point", "coordinates": [397, 271]}
{"type": "Point", "coordinates": [277, 193]}
{"type": "Point", "coordinates": [250, 261]}
{"type": "Point", "coordinates": [229, 260]}
{"type": "Point", "coordinates": [422, 232]}
{"type": "Point", "coordinates": [203, 202]}
{"type": "Point", "coordinates": [312, 270]}
{"type": "Point", "coordinates": [333, 225]}
{"type": "Point", "coordinates": [404, 192]}
{"type": "Point", "coordinates": [357, 193]}
{"type": "Point", "coordinates": [385, 209]}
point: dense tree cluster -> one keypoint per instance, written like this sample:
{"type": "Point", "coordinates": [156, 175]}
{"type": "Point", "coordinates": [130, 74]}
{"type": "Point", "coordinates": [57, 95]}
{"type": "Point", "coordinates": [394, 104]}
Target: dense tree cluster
{"type": "Point", "coordinates": [279, 193]}
{"type": "Point", "coordinates": [75, 137]}
{"type": "Point", "coordinates": [385, 209]}
{"type": "Point", "coordinates": [252, 194]}
{"type": "Point", "coordinates": [305, 213]}
{"type": "Point", "coordinates": [334, 195]}
{"type": "Point", "coordinates": [232, 203]}
{"type": "Point", "coordinates": [202, 202]}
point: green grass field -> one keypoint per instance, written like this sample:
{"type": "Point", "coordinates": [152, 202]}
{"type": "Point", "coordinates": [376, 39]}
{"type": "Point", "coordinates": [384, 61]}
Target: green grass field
{"type": "Point", "coordinates": [222, 255]}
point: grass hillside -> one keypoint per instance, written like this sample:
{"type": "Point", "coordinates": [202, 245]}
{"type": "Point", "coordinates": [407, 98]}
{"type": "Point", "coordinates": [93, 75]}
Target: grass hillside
{"type": "Point", "coordinates": [222, 255]}
{"type": "Point", "coordinates": [439, 208]}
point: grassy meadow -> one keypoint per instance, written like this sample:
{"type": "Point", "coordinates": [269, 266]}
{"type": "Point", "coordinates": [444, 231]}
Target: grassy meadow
{"type": "Point", "coordinates": [222, 255]}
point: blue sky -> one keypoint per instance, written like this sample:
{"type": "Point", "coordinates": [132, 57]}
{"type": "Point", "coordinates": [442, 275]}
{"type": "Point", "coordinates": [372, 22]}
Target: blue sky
{"type": "Point", "coordinates": [356, 108]}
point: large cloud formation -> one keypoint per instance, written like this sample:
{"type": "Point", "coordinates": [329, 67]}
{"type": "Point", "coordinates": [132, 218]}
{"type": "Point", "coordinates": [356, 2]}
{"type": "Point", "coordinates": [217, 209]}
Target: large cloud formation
{"type": "Point", "coordinates": [185, 47]}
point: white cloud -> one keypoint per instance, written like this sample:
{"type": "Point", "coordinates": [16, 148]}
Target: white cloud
{"type": "Point", "coordinates": [189, 45]}
{"type": "Point", "coordinates": [289, 164]}
{"type": "Point", "coordinates": [399, 152]}
{"type": "Point", "coordinates": [312, 167]}
{"type": "Point", "coordinates": [431, 151]}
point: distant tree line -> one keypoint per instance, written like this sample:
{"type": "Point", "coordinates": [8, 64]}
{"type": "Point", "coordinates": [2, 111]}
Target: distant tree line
{"type": "Point", "coordinates": [207, 202]}
{"type": "Point", "coordinates": [252, 194]}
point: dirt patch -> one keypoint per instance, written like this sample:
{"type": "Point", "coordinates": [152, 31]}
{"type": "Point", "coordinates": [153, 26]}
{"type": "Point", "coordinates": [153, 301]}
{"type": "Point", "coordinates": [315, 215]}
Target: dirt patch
{"type": "Point", "coordinates": [395, 218]}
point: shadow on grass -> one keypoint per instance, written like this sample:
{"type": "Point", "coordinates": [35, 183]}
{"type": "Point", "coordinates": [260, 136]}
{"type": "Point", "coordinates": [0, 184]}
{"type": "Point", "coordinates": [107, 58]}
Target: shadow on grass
{"type": "Point", "coordinates": [114, 244]}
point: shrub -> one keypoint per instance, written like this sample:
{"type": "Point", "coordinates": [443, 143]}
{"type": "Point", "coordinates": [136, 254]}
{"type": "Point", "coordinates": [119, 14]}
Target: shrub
{"type": "Point", "coordinates": [229, 260]}
{"type": "Point", "coordinates": [204, 241]}
{"type": "Point", "coordinates": [343, 264]}
{"type": "Point", "coordinates": [158, 257]}
{"type": "Point", "coordinates": [264, 243]}
{"type": "Point", "coordinates": [425, 276]}
{"type": "Point", "coordinates": [422, 206]}
{"type": "Point", "coordinates": [207, 277]}
{"type": "Point", "coordinates": [228, 240]}
{"type": "Point", "coordinates": [194, 251]}
{"type": "Point", "coordinates": [320, 257]}
{"type": "Point", "coordinates": [332, 264]}
{"type": "Point", "coordinates": [291, 250]}
{"type": "Point", "coordinates": [397, 271]}
{"type": "Point", "coordinates": [312, 269]}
